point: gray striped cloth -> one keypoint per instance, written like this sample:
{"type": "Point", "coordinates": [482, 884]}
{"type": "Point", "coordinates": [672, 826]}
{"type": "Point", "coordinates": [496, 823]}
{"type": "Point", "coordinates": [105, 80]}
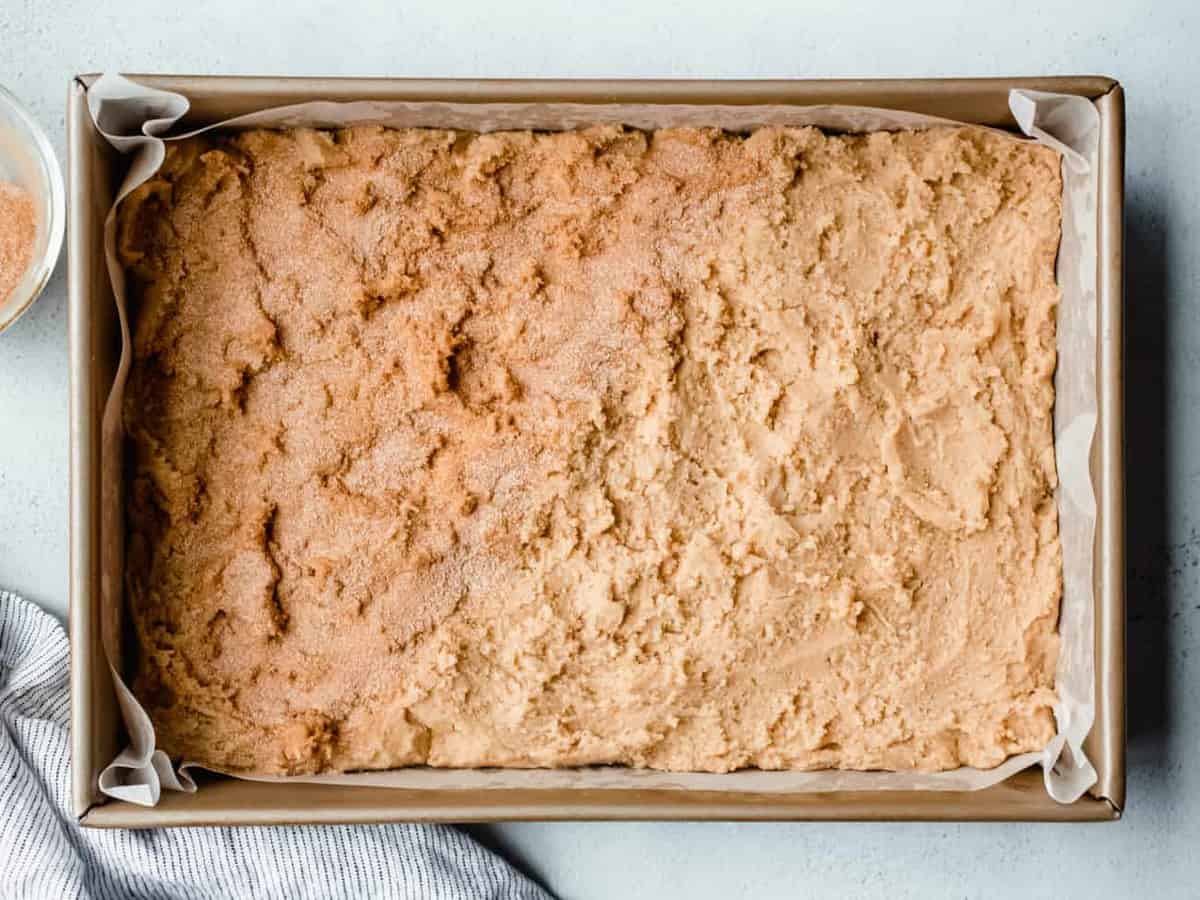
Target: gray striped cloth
{"type": "Point", "coordinates": [45, 854]}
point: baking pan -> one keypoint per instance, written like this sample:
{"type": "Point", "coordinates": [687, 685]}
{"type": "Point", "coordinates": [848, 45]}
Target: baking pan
{"type": "Point", "coordinates": [94, 171]}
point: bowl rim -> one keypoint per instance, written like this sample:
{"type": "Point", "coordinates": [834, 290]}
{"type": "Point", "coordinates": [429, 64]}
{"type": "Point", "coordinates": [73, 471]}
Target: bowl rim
{"type": "Point", "coordinates": [39, 270]}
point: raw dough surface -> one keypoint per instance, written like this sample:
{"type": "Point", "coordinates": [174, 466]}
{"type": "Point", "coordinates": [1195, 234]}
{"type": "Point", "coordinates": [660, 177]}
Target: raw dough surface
{"type": "Point", "coordinates": [682, 450]}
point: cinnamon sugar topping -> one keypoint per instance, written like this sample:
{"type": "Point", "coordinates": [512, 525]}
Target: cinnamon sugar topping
{"type": "Point", "coordinates": [18, 231]}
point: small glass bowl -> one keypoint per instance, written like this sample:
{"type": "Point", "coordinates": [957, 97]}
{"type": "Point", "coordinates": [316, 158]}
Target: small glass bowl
{"type": "Point", "coordinates": [27, 160]}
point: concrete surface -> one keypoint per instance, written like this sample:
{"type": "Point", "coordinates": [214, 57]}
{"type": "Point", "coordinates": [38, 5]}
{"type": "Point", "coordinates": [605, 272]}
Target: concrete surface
{"type": "Point", "coordinates": [1149, 47]}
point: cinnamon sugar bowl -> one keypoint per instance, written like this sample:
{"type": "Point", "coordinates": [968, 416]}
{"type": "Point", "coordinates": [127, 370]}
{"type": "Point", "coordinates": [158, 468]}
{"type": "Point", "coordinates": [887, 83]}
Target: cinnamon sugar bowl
{"type": "Point", "coordinates": [32, 209]}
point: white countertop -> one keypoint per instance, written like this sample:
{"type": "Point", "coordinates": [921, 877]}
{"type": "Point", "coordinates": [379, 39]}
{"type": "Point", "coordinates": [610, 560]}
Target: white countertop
{"type": "Point", "coordinates": [1152, 851]}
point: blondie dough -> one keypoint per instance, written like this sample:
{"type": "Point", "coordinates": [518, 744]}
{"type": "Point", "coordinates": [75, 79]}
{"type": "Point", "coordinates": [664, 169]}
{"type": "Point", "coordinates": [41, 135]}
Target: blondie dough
{"type": "Point", "coordinates": [684, 449]}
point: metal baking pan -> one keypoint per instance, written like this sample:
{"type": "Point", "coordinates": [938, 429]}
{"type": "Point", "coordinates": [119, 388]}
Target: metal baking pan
{"type": "Point", "coordinates": [94, 172]}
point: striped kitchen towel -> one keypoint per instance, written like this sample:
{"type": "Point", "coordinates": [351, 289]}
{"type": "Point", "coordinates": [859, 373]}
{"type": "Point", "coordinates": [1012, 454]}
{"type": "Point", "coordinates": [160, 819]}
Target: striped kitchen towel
{"type": "Point", "coordinates": [45, 854]}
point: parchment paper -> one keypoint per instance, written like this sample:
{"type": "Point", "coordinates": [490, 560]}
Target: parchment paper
{"type": "Point", "coordinates": [137, 120]}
